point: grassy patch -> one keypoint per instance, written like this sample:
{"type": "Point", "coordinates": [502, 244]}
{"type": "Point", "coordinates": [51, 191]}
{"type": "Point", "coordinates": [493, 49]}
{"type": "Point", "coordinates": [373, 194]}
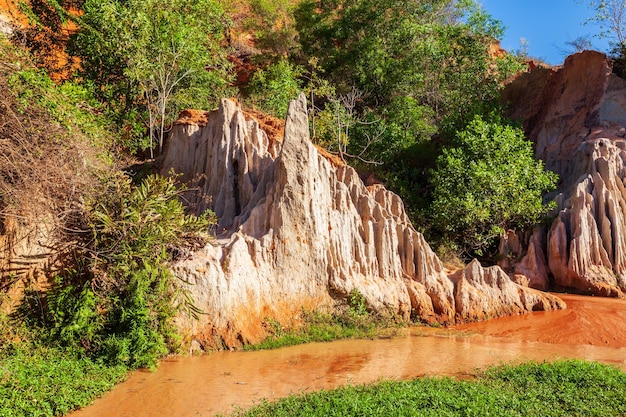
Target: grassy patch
{"type": "Point", "coordinates": [324, 327]}
{"type": "Point", "coordinates": [563, 388]}
{"type": "Point", "coordinates": [42, 381]}
{"type": "Point", "coordinates": [351, 321]}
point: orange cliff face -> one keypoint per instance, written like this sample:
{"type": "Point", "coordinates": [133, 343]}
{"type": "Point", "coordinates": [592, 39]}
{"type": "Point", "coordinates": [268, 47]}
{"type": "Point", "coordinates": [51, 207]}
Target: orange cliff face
{"type": "Point", "coordinates": [496, 50]}
{"type": "Point", "coordinates": [50, 47]}
{"type": "Point", "coordinates": [576, 117]}
{"type": "Point", "coordinates": [9, 9]}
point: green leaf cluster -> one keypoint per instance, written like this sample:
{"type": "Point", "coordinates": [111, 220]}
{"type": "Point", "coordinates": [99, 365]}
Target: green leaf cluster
{"type": "Point", "coordinates": [120, 304]}
{"type": "Point", "coordinates": [488, 182]}
{"type": "Point", "coordinates": [157, 55]}
{"type": "Point", "coordinates": [274, 87]}
{"type": "Point", "coordinates": [70, 105]}
{"type": "Point", "coordinates": [271, 22]}
{"type": "Point", "coordinates": [420, 50]}
{"type": "Point", "coordinates": [421, 70]}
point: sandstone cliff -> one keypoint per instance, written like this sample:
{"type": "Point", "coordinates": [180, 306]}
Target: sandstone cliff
{"type": "Point", "coordinates": [298, 231]}
{"type": "Point", "coordinates": [576, 115]}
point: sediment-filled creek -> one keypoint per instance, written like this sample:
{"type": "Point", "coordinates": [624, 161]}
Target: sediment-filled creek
{"type": "Point", "coordinates": [591, 328]}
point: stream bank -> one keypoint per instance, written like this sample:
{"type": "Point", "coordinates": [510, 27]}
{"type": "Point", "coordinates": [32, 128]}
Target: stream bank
{"type": "Point", "coordinates": [211, 384]}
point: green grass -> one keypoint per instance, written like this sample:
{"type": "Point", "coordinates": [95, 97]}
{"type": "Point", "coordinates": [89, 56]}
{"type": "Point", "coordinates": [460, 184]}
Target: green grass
{"type": "Point", "coordinates": [42, 381]}
{"type": "Point", "coordinates": [325, 327]}
{"type": "Point", "coordinates": [563, 388]}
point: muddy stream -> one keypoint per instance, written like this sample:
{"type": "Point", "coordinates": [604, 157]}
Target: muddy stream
{"type": "Point", "coordinates": [591, 328]}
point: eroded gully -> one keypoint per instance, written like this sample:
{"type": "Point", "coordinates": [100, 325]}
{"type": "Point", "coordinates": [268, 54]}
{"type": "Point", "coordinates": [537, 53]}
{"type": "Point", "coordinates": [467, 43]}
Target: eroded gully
{"type": "Point", "coordinates": [591, 328]}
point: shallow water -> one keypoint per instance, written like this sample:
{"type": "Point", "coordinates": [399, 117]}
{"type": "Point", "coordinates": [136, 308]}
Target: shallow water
{"type": "Point", "coordinates": [206, 385]}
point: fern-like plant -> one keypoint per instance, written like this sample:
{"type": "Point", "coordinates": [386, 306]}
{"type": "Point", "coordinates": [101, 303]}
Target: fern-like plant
{"type": "Point", "coordinates": [120, 305]}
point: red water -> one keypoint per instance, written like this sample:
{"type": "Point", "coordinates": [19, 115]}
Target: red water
{"type": "Point", "coordinates": [206, 385]}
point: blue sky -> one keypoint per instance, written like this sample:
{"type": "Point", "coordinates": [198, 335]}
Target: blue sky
{"type": "Point", "coordinates": [546, 25]}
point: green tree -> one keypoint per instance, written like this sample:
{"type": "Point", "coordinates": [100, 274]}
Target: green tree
{"type": "Point", "coordinates": [273, 87]}
{"type": "Point", "coordinates": [433, 56]}
{"type": "Point", "coordinates": [164, 55]}
{"type": "Point", "coordinates": [610, 16]}
{"type": "Point", "coordinates": [425, 68]}
{"type": "Point", "coordinates": [487, 183]}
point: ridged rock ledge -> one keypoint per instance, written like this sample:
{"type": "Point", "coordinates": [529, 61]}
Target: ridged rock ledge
{"type": "Point", "coordinates": [576, 116]}
{"type": "Point", "coordinates": [297, 231]}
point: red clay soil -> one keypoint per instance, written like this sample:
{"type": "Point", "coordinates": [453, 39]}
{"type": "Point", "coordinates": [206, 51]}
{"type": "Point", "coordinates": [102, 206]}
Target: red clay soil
{"type": "Point", "coordinates": [193, 117]}
{"type": "Point", "coordinates": [272, 126]}
{"type": "Point", "coordinates": [335, 160]}
{"type": "Point", "coordinates": [588, 320]}
{"type": "Point", "coordinates": [275, 130]}
{"type": "Point", "coordinates": [59, 63]}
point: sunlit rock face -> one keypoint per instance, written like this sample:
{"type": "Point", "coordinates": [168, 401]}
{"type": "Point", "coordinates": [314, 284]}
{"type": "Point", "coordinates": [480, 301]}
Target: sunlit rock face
{"type": "Point", "coordinates": [299, 231]}
{"type": "Point", "coordinates": [576, 115]}
{"type": "Point", "coordinates": [483, 293]}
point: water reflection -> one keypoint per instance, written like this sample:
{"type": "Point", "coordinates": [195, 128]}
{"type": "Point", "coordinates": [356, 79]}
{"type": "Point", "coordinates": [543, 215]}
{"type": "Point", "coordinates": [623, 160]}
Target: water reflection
{"type": "Point", "coordinates": [204, 386]}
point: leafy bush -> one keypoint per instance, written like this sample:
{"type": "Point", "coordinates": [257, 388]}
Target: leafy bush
{"type": "Point", "coordinates": [119, 304]}
{"type": "Point", "coordinates": [357, 303]}
{"type": "Point", "coordinates": [272, 88]}
{"type": "Point", "coordinates": [487, 183]}
{"type": "Point", "coordinates": [272, 23]}
{"type": "Point", "coordinates": [151, 58]}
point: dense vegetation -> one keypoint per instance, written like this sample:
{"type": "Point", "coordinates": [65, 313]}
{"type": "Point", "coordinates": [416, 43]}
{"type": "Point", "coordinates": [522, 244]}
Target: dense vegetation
{"type": "Point", "coordinates": [497, 195]}
{"type": "Point", "coordinates": [41, 380]}
{"type": "Point", "coordinates": [109, 302]}
{"type": "Point", "coordinates": [390, 84]}
{"type": "Point", "coordinates": [563, 388]}
{"type": "Point", "coordinates": [405, 90]}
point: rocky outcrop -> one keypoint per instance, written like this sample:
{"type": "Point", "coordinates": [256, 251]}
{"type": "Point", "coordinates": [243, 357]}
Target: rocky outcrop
{"type": "Point", "coordinates": [299, 231]}
{"type": "Point", "coordinates": [483, 293]}
{"type": "Point", "coordinates": [576, 116]}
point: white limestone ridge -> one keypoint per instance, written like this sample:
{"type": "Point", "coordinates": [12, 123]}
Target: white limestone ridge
{"type": "Point", "coordinates": [299, 232]}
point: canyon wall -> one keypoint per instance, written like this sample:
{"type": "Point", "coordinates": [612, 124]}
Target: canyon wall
{"type": "Point", "coordinates": [575, 115]}
{"type": "Point", "coordinates": [299, 231]}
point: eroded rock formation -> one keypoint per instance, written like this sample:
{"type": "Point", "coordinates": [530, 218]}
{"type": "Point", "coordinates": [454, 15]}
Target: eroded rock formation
{"type": "Point", "coordinates": [298, 231]}
{"type": "Point", "coordinates": [28, 253]}
{"type": "Point", "coordinates": [576, 116]}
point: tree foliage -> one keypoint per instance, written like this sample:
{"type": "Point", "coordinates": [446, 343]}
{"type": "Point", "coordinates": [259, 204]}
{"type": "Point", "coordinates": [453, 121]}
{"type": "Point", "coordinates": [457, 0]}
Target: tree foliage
{"type": "Point", "coordinates": [273, 26]}
{"type": "Point", "coordinates": [164, 55]}
{"type": "Point", "coordinates": [423, 68]}
{"type": "Point", "coordinates": [434, 52]}
{"type": "Point", "coordinates": [610, 16]}
{"type": "Point", "coordinates": [119, 303]}
{"type": "Point", "coordinates": [134, 234]}
{"type": "Point", "coordinates": [487, 183]}
{"type": "Point", "coordinates": [273, 87]}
